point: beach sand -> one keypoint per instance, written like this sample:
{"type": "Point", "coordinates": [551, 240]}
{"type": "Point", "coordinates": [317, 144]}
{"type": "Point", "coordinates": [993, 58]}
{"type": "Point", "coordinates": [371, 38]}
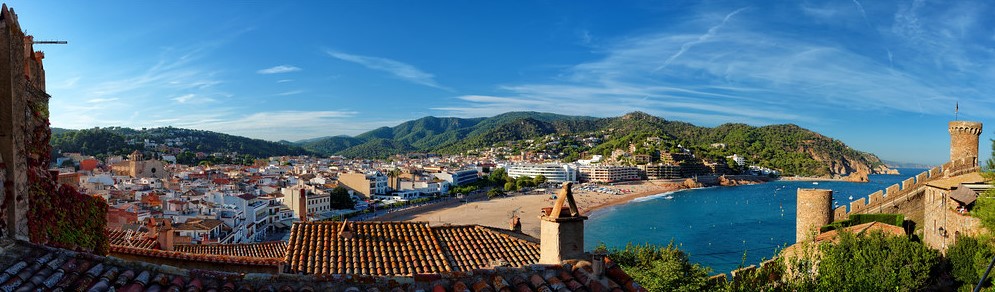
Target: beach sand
{"type": "Point", "coordinates": [498, 212]}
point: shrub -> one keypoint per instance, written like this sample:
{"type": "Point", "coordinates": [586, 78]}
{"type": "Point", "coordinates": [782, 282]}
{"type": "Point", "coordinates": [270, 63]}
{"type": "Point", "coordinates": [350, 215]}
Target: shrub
{"type": "Point", "coordinates": [875, 262]}
{"type": "Point", "coordinates": [968, 258]}
{"type": "Point", "coordinates": [661, 268]}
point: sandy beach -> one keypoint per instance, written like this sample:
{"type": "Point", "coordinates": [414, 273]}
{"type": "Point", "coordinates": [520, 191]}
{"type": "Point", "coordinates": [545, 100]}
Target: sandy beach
{"type": "Point", "coordinates": [498, 212]}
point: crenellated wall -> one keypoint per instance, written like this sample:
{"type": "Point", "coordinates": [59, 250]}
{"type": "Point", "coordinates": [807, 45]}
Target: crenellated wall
{"type": "Point", "coordinates": [906, 198]}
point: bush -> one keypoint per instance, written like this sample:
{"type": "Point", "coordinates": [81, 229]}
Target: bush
{"type": "Point", "coordinates": [875, 262]}
{"type": "Point", "coordinates": [968, 258]}
{"type": "Point", "coordinates": [661, 268]}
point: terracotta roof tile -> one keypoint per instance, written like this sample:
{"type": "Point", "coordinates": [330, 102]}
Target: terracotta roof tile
{"type": "Point", "coordinates": [477, 247]}
{"type": "Point", "coordinates": [138, 239]}
{"type": "Point", "coordinates": [274, 249]}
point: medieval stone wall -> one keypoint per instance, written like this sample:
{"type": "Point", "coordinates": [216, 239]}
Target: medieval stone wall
{"type": "Point", "coordinates": [906, 198]}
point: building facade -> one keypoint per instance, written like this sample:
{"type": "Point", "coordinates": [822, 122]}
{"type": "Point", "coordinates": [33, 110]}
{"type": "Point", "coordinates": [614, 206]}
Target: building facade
{"type": "Point", "coordinates": [554, 173]}
{"type": "Point", "coordinates": [365, 184]}
{"type": "Point", "coordinates": [608, 173]}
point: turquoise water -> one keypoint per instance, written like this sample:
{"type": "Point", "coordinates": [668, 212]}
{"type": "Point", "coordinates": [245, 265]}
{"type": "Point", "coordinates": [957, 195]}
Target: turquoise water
{"type": "Point", "coordinates": [715, 226]}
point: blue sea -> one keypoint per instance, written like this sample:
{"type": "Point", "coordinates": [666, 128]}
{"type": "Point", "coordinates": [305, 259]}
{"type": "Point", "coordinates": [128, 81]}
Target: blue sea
{"type": "Point", "coordinates": [716, 226]}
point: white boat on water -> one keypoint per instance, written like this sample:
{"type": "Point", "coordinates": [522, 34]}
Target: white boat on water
{"type": "Point", "coordinates": [815, 183]}
{"type": "Point", "coordinates": [669, 197]}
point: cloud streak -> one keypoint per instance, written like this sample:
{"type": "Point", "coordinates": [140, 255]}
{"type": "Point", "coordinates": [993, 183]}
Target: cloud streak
{"type": "Point", "coordinates": [398, 69]}
{"type": "Point", "coordinates": [279, 69]}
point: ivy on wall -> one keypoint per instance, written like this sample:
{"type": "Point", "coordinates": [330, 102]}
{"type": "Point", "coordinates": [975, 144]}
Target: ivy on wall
{"type": "Point", "coordinates": [58, 215]}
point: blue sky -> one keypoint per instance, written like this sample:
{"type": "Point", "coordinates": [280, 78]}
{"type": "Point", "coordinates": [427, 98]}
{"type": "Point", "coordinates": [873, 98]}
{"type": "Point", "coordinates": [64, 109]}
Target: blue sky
{"type": "Point", "coordinates": [881, 76]}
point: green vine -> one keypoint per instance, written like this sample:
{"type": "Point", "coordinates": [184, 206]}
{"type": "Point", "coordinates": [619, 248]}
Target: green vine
{"type": "Point", "coordinates": [58, 215]}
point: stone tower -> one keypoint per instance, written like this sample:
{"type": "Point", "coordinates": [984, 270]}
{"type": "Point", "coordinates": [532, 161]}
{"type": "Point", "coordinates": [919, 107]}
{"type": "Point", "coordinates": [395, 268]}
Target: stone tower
{"type": "Point", "coordinates": [561, 230]}
{"type": "Point", "coordinates": [22, 84]}
{"type": "Point", "coordinates": [964, 141]}
{"type": "Point", "coordinates": [815, 209]}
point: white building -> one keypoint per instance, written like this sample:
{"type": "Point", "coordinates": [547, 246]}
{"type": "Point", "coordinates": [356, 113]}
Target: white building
{"type": "Point", "coordinates": [554, 173]}
{"type": "Point", "coordinates": [609, 173]}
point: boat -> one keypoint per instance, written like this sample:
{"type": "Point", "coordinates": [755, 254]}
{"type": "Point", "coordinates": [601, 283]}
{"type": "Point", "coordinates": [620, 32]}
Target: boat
{"type": "Point", "coordinates": [669, 197]}
{"type": "Point", "coordinates": [851, 198]}
{"type": "Point", "coordinates": [815, 183]}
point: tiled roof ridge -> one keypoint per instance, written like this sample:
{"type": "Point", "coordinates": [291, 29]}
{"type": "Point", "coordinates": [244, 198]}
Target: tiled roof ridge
{"type": "Point", "coordinates": [508, 234]}
{"type": "Point", "coordinates": [253, 250]}
{"type": "Point", "coordinates": [199, 257]}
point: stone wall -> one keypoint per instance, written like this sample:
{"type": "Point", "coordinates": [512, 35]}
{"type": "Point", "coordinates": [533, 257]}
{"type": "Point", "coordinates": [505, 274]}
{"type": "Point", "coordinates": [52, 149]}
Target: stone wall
{"type": "Point", "coordinates": [907, 198]}
{"type": "Point", "coordinates": [34, 206]}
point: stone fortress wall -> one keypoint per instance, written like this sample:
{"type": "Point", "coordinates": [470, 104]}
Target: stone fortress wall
{"type": "Point", "coordinates": [907, 198]}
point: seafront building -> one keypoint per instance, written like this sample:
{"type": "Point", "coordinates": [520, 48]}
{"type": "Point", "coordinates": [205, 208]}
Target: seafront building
{"type": "Point", "coordinates": [608, 173]}
{"type": "Point", "coordinates": [554, 173]}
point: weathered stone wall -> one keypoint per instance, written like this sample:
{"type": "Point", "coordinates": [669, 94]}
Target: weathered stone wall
{"type": "Point", "coordinates": [34, 206]}
{"type": "Point", "coordinates": [14, 92]}
{"type": "Point", "coordinates": [815, 209]}
{"type": "Point", "coordinates": [964, 140]}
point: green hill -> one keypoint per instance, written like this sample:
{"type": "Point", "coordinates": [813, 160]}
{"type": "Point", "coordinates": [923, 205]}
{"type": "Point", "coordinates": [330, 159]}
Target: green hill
{"type": "Point", "coordinates": [121, 141]}
{"type": "Point", "coordinates": [789, 148]}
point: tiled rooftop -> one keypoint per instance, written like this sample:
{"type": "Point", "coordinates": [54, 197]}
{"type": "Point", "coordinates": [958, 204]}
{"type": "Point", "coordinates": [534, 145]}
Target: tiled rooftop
{"type": "Point", "coordinates": [374, 248]}
{"type": "Point", "coordinates": [138, 239]}
{"type": "Point", "coordinates": [30, 267]}
{"type": "Point", "coordinates": [476, 247]}
{"type": "Point", "coordinates": [275, 249]}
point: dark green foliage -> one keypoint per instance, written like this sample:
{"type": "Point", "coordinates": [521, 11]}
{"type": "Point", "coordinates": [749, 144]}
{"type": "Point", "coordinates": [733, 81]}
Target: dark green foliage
{"type": "Point", "coordinates": [340, 199]}
{"type": "Point", "coordinates": [875, 262]}
{"type": "Point", "coordinates": [113, 140]}
{"type": "Point", "coordinates": [661, 268]}
{"type": "Point", "coordinates": [968, 258]}
{"type": "Point", "coordinates": [495, 192]}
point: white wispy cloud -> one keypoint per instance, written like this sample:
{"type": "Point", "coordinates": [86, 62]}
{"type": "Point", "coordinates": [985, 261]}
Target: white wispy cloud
{"type": "Point", "coordinates": [101, 100]}
{"type": "Point", "coordinates": [399, 69]}
{"type": "Point", "coordinates": [751, 72]}
{"type": "Point", "coordinates": [292, 92]}
{"type": "Point", "coordinates": [282, 125]}
{"type": "Point", "coordinates": [279, 69]}
{"type": "Point", "coordinates": [284, 80]}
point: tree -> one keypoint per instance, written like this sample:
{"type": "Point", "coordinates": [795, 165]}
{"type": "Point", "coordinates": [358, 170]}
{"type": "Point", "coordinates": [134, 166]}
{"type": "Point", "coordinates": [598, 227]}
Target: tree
{"type": "Point", "coordinates": [968, 258]}
{"type": "Point", "coordinates": [340, 199]}
{"type": "Point", "coordinates": [661, 268]}
{"type": "Point", "coordinates": [539, 179]}
{"type": "Point", "coordinates": [510, 186]}
{"type": "Point", "coordinates": [875, 262]}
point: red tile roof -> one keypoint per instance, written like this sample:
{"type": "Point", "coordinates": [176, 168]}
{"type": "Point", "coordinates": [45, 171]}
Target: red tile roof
{"type": "Point", "coordinates": [476, 247]}
{"type": "Point", "coordinates": [374, 248]}
{"type": "Point", "coordinates": [402, 248]}
{"type": "Point", "coordinates": [138, 239]}
{"type": "Point", "coordinates": [274, 249]}
{"type": "Point", "coordinates": [29, 267]}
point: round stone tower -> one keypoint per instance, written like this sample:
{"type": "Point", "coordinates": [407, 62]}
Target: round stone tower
{"type": "Point", "coordinates": [815, 209]}
{"type": "Point", "coordinates": [964, 140]}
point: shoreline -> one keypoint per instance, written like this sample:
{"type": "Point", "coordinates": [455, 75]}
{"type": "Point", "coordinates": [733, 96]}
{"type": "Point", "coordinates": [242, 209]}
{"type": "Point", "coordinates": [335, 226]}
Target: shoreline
{"type": "Point", "coordinates": [498, 212]}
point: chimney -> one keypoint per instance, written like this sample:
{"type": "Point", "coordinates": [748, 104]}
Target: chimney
{"type": "Point", "coordinates": [166, 235]}
{"type": "Point", "coordinates": [344, 230]}
{"type": "Point", "coordinates": [598, 264]}
{"type": "Point", "coordinates": [561, 230]}
{"type": "Point", "coordinates": [302, 205]}
{"type": "Point", "coordinates": [516, 224]}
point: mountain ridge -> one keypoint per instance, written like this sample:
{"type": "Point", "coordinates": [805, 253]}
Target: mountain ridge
{"type": "Point", "coordinates": [786, 147]}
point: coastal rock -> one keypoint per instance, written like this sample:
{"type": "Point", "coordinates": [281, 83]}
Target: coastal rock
{"type": "Point", "coordinates": [691, 183]}
{"type": "Point", "coordinates": [859, 176]}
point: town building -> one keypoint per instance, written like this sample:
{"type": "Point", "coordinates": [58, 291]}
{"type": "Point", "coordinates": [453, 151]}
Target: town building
{"type": "Point", "coordinates": [661, 171]}
{"type": "Point", "coordinates": [458, 178]}
{"type": "Point", "coordinates": [608, 173]}
{"type": "Point", "coordinates": [365, 184]}
{"type": "Point", "coordinates": [137, 166]}
{"type": "Point", "coordinates": [554, 173]}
